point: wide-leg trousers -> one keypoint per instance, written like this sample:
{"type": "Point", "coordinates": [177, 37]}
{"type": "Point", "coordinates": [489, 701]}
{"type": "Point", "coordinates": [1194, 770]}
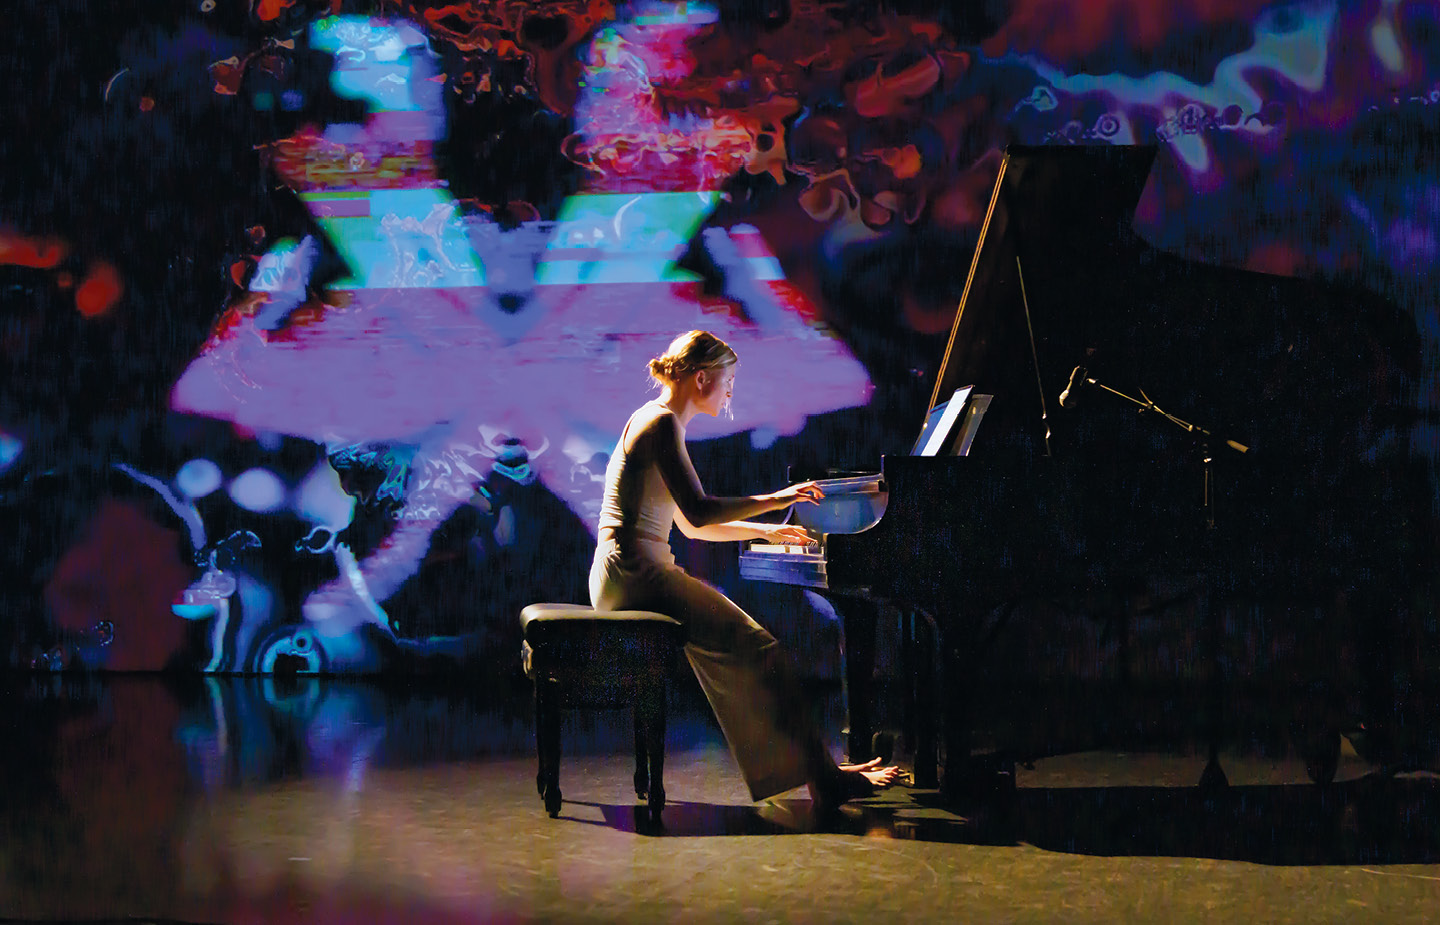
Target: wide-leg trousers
{"type": "Point", "coordinates": [739, 664]}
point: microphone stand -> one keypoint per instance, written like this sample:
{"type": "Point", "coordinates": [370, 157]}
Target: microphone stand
{"type": "Point", "coordinates": [1204, 436]}
{"type": "Point", "coordinates": [1212, 779]}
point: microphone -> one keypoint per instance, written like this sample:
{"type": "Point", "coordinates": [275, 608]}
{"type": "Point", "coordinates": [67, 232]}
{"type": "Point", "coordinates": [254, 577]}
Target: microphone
{"type": "Point", "coordinates": [1071, 393]}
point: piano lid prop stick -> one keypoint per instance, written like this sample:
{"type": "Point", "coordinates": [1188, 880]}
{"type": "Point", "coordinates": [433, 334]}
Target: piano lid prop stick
{"type": "Point", "coordinates": [1034, 356]}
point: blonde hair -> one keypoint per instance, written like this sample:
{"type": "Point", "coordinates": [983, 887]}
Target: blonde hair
{"type": "Point", "coordinates": [690, 353]}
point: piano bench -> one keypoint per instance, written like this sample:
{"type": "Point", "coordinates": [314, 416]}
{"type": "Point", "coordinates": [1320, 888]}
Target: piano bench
{"type": "Point", "coordinates": [580, 658]}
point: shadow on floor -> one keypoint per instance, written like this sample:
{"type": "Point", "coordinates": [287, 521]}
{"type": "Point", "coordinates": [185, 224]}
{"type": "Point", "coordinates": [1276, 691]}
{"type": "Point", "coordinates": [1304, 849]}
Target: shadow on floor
{"type": "Point", "coordinates": [1371, 820]}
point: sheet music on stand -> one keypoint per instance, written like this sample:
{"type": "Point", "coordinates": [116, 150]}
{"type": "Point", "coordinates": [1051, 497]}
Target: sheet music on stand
{"type": "Point", "coordinates": [950, 427]}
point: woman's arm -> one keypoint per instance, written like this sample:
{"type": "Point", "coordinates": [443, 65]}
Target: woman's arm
{"type": "Point", "coordinates": [700, 510]}
{"type": "Point", "coordinates": [743, 530]}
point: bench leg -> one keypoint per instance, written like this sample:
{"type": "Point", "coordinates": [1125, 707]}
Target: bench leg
{"type": "Point", "coordinates": [642, 761]}
{"type": "Point", "coordinates": [650, 745]}
{"type": "Point", "coordinates": [539, 739]}
{"type": "Point", "coordinates": [547, 741]}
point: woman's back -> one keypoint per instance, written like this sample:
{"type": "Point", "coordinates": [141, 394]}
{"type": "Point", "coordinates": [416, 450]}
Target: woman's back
{"type": "Point", "coordinates": [637, 507]}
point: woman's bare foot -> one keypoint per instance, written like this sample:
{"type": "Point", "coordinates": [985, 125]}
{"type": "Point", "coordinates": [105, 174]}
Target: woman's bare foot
{"type": "Point", "coordinates": [850, 782]}
{"type": "Point", "coordinates": [877, 774]}
{"type": "Point", "coordinates": [886, 776]}
{"type": "Point", "coordinates": [866, 766]}
{"type": "Point", "coordinates": [838, 787]}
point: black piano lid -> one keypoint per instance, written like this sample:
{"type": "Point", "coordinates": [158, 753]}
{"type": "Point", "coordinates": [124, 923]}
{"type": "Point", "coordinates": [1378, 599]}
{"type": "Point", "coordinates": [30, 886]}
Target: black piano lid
{"type": "Point", "coordinates": [1318, 377]}
{"type": "Point", "coordinates": [1055, 208]}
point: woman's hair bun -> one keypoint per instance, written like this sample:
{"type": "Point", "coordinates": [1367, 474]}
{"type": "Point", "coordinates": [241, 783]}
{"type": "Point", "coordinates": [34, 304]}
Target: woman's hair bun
{"type": "Point", "coordinates": [663, 368]}
{"type": "Point", "coordinates": [691, 351]}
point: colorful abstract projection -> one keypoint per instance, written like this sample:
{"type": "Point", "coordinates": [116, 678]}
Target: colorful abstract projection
{"type": "Point", "coordinates": [483, 344]}
{"type": "Point", "coordinates": [486, 348]}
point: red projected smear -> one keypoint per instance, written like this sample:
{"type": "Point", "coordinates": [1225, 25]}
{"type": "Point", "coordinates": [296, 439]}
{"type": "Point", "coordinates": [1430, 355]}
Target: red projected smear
{"type": "Point", "coordinates": [1062, 31]}
{"type": "Point", "coordinates": [882, 94]}
{"type": "Point", "coordinates": [270, 10]}
{"type": "Point", "coordinates": [543, 33]}
{"type": "Point", "coordinates": [39, 253]}
{"type": "Point", "coordinates": [100, 290]}
{"type": "Point", "coordinates": [125, 570]}
{"type": "Point", "coordinates": [863, 161]}
{"type": "Point", "coordinates": [97, 293]}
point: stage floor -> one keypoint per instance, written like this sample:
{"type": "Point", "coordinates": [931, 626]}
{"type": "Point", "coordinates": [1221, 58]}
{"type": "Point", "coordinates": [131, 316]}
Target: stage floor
{"type": "Point", "coordinates": [247, 800]}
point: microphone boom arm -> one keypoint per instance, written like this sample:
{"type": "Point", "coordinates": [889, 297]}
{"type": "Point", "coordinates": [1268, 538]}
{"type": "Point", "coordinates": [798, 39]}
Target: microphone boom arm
{"type": "Point", "coordinates": [1145, 403]}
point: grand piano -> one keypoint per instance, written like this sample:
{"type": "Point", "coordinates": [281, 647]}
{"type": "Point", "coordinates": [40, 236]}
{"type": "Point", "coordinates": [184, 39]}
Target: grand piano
{"type": "Point", "coordinates": [1227, 428]}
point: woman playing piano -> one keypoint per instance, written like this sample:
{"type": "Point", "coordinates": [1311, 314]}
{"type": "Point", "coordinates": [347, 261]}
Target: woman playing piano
{"type": "Point", "coordinates": [650, 483]}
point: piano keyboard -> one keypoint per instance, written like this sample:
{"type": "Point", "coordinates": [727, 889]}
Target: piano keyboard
{"type": "Point", "coordinates": [851, 503]}
{"type": "Point", "coordinates": [791, 565]}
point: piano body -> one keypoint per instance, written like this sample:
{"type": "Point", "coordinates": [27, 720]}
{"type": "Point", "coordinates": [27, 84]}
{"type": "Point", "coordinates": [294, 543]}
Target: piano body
{"type": "Point", "coordinates": [1313, 380]}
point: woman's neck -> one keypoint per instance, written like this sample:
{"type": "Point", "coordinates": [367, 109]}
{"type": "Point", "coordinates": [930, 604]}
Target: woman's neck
{"type": "Point", "coordinates": [678, 403]}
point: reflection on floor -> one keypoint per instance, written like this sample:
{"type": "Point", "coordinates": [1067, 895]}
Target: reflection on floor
{"type": "Point", "coordinates": [248, 800]}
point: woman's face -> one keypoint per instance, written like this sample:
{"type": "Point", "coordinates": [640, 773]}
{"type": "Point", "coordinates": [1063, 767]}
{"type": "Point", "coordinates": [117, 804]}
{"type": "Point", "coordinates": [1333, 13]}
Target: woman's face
{"type": "Point", "coordinates": [715, 387]}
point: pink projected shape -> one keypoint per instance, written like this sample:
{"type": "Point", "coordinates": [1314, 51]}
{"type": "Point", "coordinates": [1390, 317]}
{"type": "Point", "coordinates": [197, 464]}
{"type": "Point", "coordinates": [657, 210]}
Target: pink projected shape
{"type": "Point", "coordinates": [455, 372]}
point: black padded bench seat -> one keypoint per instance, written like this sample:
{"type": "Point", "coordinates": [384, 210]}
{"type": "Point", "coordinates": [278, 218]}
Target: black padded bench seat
{"type": "Point", "coordinates": [580, 658]}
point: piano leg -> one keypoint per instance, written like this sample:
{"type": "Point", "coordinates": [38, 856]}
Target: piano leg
{"type": "Point", "coordinates": [967, 776]}
{"type": "Point", "coordinates": [909, 701]}
{"type": "Point", "coordinates": [1213, 780]}
{"type": "Point", "coordinates": [920, 700]}
{"type": "Point", "coordinates": [860, 619]}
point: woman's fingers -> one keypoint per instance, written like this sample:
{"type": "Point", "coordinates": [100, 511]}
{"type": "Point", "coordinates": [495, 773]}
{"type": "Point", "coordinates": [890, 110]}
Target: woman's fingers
{"type": "Point", "coordinates": [794, 535]}
{"type": "Point", "coordinates": [808, 491]}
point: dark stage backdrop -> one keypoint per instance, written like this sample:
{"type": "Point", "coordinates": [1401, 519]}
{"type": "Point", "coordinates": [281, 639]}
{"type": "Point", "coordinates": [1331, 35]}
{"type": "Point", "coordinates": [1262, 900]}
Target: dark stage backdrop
{"type": "Point", "coordinates": [320, 319]}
